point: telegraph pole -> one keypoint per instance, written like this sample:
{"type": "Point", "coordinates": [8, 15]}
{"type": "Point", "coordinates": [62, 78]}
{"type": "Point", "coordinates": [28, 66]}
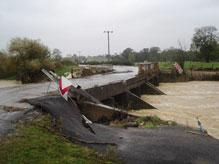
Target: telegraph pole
{"type": "Point", "coordinates": [79, 53]}
{"type": "Point", "coordinates": [108, 39]}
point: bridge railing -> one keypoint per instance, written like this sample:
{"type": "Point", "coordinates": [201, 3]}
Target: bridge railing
{"type": "Point", "coordinates": [148, 68]}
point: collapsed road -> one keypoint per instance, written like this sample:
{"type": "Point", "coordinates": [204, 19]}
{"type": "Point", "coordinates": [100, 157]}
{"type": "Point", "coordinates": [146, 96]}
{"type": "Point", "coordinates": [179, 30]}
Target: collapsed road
{"type": "Point", "coordinates": [12, 110]}
{"type": "Point", "coordinates": [10, 97]}
{"type": "Point", "coordinates": [134, 145]}
{"type": "Point", "coordinates": [160, 145]}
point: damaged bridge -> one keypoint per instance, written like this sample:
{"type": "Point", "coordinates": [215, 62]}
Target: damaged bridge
{"type": "Point", "coordinates": [144, 82]}
{"type": "Point", "coordinates": [124, 94]}
{"type": "Point", "coordinates": [116, 91]}
{"type": "Point", "coordinates": [98, 104]}
{"type": "Point", "coordinates": [110, 94]}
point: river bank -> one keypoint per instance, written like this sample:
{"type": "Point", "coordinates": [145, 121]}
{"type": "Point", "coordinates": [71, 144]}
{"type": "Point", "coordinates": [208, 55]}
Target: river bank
{"type": "Point", "coordinates": [133, 145]}
{"type": "Point", "coordinates": [189, 75]}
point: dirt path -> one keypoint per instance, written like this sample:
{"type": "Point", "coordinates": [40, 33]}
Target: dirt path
{"type": "Point", "coordinates": [186, 101]}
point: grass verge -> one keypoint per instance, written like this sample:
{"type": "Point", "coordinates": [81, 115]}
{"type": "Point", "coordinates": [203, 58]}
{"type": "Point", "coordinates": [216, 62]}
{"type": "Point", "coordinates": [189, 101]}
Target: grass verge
{"type": "Point", "coordinates": [67, 68]}
{"type": "Point", "coordinates": [153, 122]}
{"type": "Point", "coordinates": [36, 143]}
{"type": "Point", "coordinates": [201, 65]}
{"type": "Point", "coordinates": [189, 64]}
{"type": "Point", "coordinates": [165, 66]}
{"type": "Point", "coordinates": [142, 122]}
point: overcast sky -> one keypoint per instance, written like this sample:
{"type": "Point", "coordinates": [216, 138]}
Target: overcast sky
{"type": "Point", "coordinates": [78, 25]}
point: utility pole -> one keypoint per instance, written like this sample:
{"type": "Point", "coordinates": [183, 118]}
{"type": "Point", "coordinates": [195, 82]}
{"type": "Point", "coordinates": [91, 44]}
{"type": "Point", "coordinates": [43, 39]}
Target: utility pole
{"type": "Point", "coordinates": [108, 39]}
{"type": "Point", "coordinates": [78, 60]}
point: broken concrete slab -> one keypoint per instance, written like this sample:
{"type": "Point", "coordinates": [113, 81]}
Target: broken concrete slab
{"type": "Point", "coordinates": [133, 145]}
{"type": "Point", "coordinates": [151, 89]}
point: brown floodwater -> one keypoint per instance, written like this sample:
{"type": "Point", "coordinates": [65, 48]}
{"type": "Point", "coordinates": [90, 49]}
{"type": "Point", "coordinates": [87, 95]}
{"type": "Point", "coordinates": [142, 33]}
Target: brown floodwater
{"type": "Point", "coordinates": [186, 101]}
{"type": "Point", "coordinates": [9, 83]}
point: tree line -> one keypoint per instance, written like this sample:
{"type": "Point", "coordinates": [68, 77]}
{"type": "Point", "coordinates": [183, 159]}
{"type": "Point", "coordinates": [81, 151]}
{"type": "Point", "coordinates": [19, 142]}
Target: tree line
{"type": "Point", "coordinates": [204, 47]}
{"type": "Point", "coordinates": [24, 58]}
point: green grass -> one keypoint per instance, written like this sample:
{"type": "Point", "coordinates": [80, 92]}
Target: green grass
{"type": "Point", "coordinates": [13, 77]}
{"type": "Point", "coordinates": [152, 122]}
{"type": "Point", "coordinates": [37, 143]}
{"type": "Point", "coordinates": [188, 64]}
{"type": "Point", "coordinates": [62, 70]}
{"type": "Point", "coordinates": [165, 66]}
{"type": "Point", "coordinates": [9, 77]}
{"type": "Point", "coordinates": [201, 65]}
{"type": "Point", "coordinates": [142, 122]}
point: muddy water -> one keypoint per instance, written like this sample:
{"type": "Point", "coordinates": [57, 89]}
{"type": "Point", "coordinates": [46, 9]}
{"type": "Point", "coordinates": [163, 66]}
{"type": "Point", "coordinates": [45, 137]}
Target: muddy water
{"type": "Point", "coordinates": [9, 83]}
{"type": "Point", "coordinates": [186, 101]}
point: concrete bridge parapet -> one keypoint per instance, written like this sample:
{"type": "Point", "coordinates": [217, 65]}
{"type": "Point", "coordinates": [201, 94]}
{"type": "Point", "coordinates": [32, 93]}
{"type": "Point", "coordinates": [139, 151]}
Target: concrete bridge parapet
{"type": "Point", "coordinates": [126, 94]}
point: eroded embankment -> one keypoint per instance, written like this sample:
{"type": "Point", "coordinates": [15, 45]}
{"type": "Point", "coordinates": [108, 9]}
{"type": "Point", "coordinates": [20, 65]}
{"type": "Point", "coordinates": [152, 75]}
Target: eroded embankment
{"type": "Point", "coordinates": [134, 145]}
{"type": "Point", "coordinates": [189, 75]}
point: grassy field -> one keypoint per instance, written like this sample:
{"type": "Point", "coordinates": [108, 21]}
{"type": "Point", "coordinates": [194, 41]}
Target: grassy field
{"type": "Point", "coordinates": [61, 71]}
{"type": "Point", "coordinates": [202, 65]}
{"type": "Point", "coordinates": [189, 65]}
{"type": "Point", "coordinates": [165, 66]}
{"type": "Point", "coordinates": [36, 142]}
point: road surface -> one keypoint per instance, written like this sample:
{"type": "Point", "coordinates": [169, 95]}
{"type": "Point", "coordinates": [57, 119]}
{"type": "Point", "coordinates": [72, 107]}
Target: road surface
{"type": "Point", "coordinates": [10, 96]}
{"type": "Point", "coordinates": [11, 110]}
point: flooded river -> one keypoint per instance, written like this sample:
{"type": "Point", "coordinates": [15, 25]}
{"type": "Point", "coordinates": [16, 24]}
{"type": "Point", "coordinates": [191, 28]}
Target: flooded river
{"type": "Point", "coordinates": [9, 83]}
{"type": "Point", "coordinates": [186, 101]}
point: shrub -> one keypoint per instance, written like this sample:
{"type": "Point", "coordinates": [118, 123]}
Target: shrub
{"type": "Point", "coordinates": [31, 56]}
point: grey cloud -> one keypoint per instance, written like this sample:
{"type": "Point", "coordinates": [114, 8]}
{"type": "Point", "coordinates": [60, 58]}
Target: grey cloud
{"type": "Point", "coordinates": [74, 25]}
